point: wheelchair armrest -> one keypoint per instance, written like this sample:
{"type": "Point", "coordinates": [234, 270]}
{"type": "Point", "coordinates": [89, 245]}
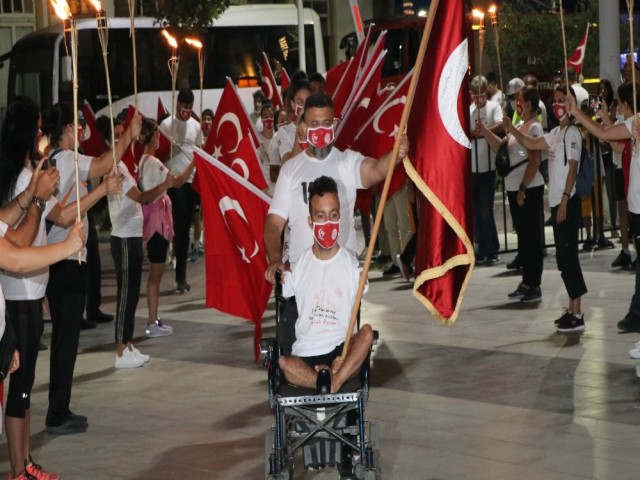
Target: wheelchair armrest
{"type": "Point", "coordinates": [266, 348]}
{"type": "Point", "coordinates": [376, 337]}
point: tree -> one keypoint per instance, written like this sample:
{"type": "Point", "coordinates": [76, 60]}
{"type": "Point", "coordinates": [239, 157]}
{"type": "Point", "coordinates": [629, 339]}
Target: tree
{"type": "Point", "coordinates": [189, 17]}
{"type": "Point", "coordinates": [531, 41]}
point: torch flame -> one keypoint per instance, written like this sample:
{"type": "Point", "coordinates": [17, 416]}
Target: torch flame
{"type": "Point", "coordinates": [493, 8]}
{"type": "Point", "coordinates": [478, 19]}
{"type": "Point", "coordinates": [172, 41]}
{"type": "Point", "coordinates": [97, 5]}
{"type": "Point", "coordinates": [61, 7]}
{"type": "Point", "coordinates": [194, 42]}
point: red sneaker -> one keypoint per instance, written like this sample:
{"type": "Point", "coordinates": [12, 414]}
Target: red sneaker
{"type": "Point", "coordinates": [37, 472]}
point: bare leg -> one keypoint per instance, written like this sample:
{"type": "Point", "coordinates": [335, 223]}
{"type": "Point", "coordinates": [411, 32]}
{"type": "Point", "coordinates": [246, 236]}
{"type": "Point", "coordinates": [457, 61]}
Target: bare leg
{"type": "Point", "coordinates": [16, 443]}
{"type": "Point", "coordinates": [360, 345]}
{"type": "Point", "coordinates": [153, 290]}
{"type": "Point", "coordinates": [298, 372]}
{"type": "Point", "coordinates": [575, 305]}
{"type": "Point", "coordinates": [120, 348]}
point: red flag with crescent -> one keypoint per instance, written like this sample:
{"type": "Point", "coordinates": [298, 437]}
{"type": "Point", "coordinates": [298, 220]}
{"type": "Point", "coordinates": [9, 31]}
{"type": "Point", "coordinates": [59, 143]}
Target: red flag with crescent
{"type": "Point", "coordinates": [234, 212]}
{"type": "Point", "coordinates": [440, 165]}
{"type": "Point", "coordinates": [93, 146]}
{"type": "Point", "coordinates": [378, 133]}
{"type": "Point", "coordinates": [577, 59]}
{"type": "Point", "coordinates": [343, 90]}
{"type": "Point", "coordinates": [285, 81]}
{"type": "Point", "coordinates": [245, 162]}
{"type": "Point", "coordinates": [163, 153]}
{"type": "Point", "coordinates": [230, 124]}
{"type": "Point", "coordinates": [269, 87]}
{"type": "Point", "coordinates": [334, 75]}
{"type": "Point", "coordinates": [133, 153]}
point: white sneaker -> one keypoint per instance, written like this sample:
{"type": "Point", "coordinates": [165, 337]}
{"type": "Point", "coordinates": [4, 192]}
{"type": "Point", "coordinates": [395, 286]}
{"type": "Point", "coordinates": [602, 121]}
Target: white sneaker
{"type": "Point", "coordinates": [635, 352]}
{"type": "Point", "coordinates": [638, 370]}
{"type": "Point", "coordinates": [128, 360]}
{"type": "Point", "coordinates": [144, 357]}
{"type": "Point", "coordinates": [158, 329]}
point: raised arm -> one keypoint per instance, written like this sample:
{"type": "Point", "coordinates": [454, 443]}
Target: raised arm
{"type": "Point", "coordinates": [373, 171]}
{"type": "Point", "coordinates": [104, 164]}
{"type": "Point", "coordinates": [150, 195]}
{"type": "Point", "coordinates": [609, 133]}
{"type": "Point", "coordinates": [527, 141]}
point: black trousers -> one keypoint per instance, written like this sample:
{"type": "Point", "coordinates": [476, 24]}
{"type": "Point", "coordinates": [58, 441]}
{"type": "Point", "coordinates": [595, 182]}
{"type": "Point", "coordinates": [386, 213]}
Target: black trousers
{"type": "Point", "coordinates": [127, 257]}
{"type": "Point", "coordinates": [529, 223]}
{"type": "Point", "coordinates": [94, 270]}
{"type": "Point", "coordinates": [66, 292]}
{"type": "Point", "coordinates": [183, 204]}
{"type": "Point", "coordinates": [25, 316]}
{"type": "Point", "coordinates": [565, 235]}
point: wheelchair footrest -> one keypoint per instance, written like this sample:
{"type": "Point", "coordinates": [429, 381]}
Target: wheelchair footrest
{"type": "Point", "coordinates": [319, 399]}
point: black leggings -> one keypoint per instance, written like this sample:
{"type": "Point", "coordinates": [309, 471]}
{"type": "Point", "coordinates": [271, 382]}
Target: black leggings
{"type": "Point", "coordinates": [66, 292]}
{"type": "Point", "coordinates": [183, 203]}
{"type": "Point", "coordinates": [127, 257]}
{"type": "Point", "coordinates": [565, 235]}
{"type": "Point", "coordinates": [25, 316]}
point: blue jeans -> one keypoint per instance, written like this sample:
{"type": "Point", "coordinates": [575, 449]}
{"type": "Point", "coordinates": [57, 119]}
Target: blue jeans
{"type": "Point", "coordinates": [484, 223]}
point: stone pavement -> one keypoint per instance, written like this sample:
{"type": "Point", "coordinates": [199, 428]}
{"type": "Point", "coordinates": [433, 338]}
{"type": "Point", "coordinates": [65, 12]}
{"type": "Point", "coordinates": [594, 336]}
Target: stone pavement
{"type": "Point", "coordinates": [499, 395]}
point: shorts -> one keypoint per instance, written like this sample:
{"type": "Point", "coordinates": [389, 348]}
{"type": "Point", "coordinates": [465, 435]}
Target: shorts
{"type": "Point", "coordinates": [324, 359]}
{"type": "Point", "coordinates": [157, 248]}
{"type": "Point", "coordinates": [619, 185]}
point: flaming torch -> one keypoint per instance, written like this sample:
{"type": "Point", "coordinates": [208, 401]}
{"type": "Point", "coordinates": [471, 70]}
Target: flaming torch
{"type": "Point", "coordinates": [61, 7]}
{"type": "Point", "coordinates": [173, 62]}
{"type": "Point", "coordinates": [478, 24]}
{"type": "Point", "coordinates": [103, 35]}
{"type": "Point", "coordinates": [493, 14]}
{"type": "Point", "coordinates": [195, 43]}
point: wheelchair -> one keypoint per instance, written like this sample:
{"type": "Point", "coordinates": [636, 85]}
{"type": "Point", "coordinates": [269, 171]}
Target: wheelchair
{"type": "Point", "coordinates": [329, 429]}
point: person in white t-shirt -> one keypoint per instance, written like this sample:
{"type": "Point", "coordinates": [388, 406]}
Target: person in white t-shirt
{"type": "Point", "coordinates": [127, 222]}
{"type": "Point", "coordinates": [564, 144]}
{"type": "Point", "coordinates": [325, 283]}
{"type": "Point", "coordinates": [349, 169]}
{"type": "Point", "coordinates": [186, 134]}
{"type": "Point", "coordinates": [525, 190]}
{"type": "Point", "coordinates": [273, 152]}
{"type": "Point", "coordinates": [289, 140]}
{"type": "Point", "coordinates": [484, 172]}
{"type": "Point", "coordinates": [265, 136]}
{"type": "Point", "coordinates": [629, 129]}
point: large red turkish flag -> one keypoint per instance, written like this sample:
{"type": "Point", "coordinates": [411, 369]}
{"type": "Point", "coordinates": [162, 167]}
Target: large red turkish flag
{"type": "Point", "coordinates": [230, 124]}
{"type": "Point", "coordinates": [334, 75]}
{"type": "Point", "coordinates": [268, 85]}
{"type": "Point", "coordinates": [245, 162]}
{"type": "Point", "coordinates": [234, 212]}
{"type": "Point", "coordinates": [440, 164]}
{"type": "Point", "coordinates": [93, 146]}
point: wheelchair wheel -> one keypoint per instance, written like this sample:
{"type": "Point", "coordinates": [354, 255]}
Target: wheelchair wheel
{"type": "Point", "coordinates": [269, 451]}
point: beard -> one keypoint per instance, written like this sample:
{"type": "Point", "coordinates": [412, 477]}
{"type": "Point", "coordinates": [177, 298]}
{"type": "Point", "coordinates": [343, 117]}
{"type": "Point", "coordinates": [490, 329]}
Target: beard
{"type": "Point", "coordinates": [320, 153]}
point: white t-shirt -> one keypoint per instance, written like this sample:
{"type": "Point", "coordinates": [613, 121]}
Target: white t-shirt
{"type": "Point", "coordinates": [633, 196]}
{"type": "Point", "coordinates": [30, 285]}
{"type": "Point", "coordinates": [617, 157]}
{"type": "Point", "coordinates": [325, 291]}
{"type": "Point", "coordinates": [290, 197]}
{"type": "Point", "coordinates": [186, 135]}
{"type": "Point", "coordinates": [265, 163]}
{"type": "Point", "coordinates": [482, 157]}
{"type": "Point", "coordinates": [125, 213]}
{"type": "Point", "coordinates": [286, 138]}
{"type": "Point", "coordinates": [273, 149]}
{"type": "Point", "coordinates": [65, 163]}
{"type": "Point", "coordinates": [152, 173]}
{"type": "Point", "coordinates": [558, 167]}
{"type": "Point", "coordinates": [517, 154]}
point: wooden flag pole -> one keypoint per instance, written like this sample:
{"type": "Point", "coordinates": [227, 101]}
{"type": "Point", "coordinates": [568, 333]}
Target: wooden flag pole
{"type": "Point", "coordinates": [387, 181]}
{"type": "Point", "coordinates": [493, 12]}
{"type": "Point", "coordinates": [564, 49]}
{"type": "Point", "coordinates": [631, 48]}
{"type": "Point", "coordinates": [132, 19]}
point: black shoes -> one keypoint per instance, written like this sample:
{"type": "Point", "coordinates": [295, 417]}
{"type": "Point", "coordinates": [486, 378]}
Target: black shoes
{"type": "Point", "coordinates": [99, 317]}
{"type": "Point", "coordinates": [569, 323]}
{"type": "Point", "coordinates": [622, 260]}
{"type": "Point", "coordinates": [182, 287]}
{"type": "Point", "coordinates": [87, 325]}
{"type": "Point", "coordinates": [391, 271]}
{"type": "Point", "coordinates": [630, 323]}
{"type": "Point", "coordinates": [588, 244]}
{"type": "Point", "coordinates": [534, 294]}
{"type": "Point", "coordinates": [323, 382]}
{"type": "Point", "coordinates": [514, 264]}
{"type": "Point", "coordinates": [72, 424]}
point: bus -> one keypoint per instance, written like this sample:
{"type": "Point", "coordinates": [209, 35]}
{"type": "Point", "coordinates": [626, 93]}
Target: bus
{"type": "Point", "coordinates": [233, 46]}
{"type": "Point", "coordinates": [402, 43]}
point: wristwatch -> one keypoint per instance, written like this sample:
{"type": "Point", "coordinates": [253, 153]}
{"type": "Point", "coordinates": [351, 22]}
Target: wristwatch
{"type": "Point", "coordinates": [40, 203]}
{"type": "Point", "coordinates": [522, 187]}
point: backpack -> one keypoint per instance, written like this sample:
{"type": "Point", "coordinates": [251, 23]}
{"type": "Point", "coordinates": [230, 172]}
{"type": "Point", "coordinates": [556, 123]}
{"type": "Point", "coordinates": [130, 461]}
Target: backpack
{"type": "Point", "coordinates": [503, 165]}
{"type": "Point", "coordinates": [586, 171]}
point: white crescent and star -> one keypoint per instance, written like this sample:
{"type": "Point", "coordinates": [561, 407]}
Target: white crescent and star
{"type": "Point", "coordinates": [242, 165]}
{"type": "Point", "coordinates": [235, 121]}
{"type": "Point", "coordinates": [449, 86]}
{"type": "Point", "coordinates": [391, 104]}
{"type": "Point", "coordinates": [269, 86]}
{"type": "Point", "coordinates": [227, 203]}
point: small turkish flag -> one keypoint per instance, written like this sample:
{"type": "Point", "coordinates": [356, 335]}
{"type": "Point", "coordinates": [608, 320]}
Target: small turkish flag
{"type": "Point", "coordinates": [577, 59]}
{"type": "Point", "coordinates": [269, 87]}
{"type": "Point", "coordinates": [133, 153]}
{"type": "Point", "coordinates": [163, 112]}
{"type": "Point", "coordinates": [93, 146]}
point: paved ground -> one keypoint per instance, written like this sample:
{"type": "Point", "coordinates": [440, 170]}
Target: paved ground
{"type": "Point", "coordinates": [497, 396]}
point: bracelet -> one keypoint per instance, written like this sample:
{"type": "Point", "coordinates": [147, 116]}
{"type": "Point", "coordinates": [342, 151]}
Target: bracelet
{"type": "Point", "coordinates": [566, 194]}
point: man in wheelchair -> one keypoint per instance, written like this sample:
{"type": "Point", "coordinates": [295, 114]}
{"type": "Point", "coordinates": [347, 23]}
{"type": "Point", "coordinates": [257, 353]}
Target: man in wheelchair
{"type": "Point", "coordinates": [324, 282]}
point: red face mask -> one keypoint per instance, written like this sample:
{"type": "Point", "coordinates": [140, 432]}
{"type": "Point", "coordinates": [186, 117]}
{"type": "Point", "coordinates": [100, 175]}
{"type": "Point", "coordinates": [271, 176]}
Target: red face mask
{"type": "Point", "coordinates": [559, 110]}
{"type": "Point", "coordinates": [303, 144]}
{"type": "Point", "coordinates": [185, 113]}
{"type": "Point", "coordinates": [299, 110]}
{"type": "Point", "coordinates": [320, 137]}
{"type": "Point", "coordinates": [520, 108]}
{"type": "Point", "coordinates": [326, 233]}
{"type": "Point", "coordinates": [267, 123]}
